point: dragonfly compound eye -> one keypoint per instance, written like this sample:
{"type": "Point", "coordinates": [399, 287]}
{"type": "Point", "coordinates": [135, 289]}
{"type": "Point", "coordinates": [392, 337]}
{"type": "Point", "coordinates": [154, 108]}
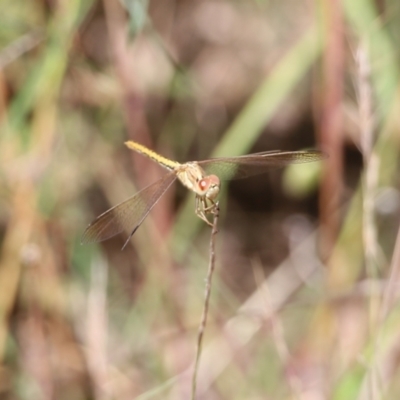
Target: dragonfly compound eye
{"type": "Point", "coordinates": [209, 186]}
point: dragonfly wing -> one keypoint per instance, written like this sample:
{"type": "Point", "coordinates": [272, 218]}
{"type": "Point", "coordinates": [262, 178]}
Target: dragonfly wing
{"type": "Point", "coordinates": [254, 164]}
{"type": "Point", "coordinates": [128, 215]}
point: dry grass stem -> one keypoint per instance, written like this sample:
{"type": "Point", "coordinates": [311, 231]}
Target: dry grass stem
{"type": "Point", "coordinates": [96, 329]}
{"type": "Point", "coordinates": [203, 323]}
{"type": "Point", "coordinates": [391, 291]}
{"type": "Point", "coordinates": [281, 284]}
{"type": "Point", "coordinates": [331, 125]}
{"type": "Point", "coordinates": [278, 333]}
{"type": "Point", "coordinates": [369, 187]}
{"type": "Point", "coordinates": [371, 160]}
{"type": "Point", "coordinates": [19, 47]}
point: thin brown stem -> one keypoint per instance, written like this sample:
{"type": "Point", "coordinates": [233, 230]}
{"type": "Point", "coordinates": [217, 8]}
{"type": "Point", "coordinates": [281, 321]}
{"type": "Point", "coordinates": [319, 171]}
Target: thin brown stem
{"type": "Point", "coordinates": [331, 122]}
{"type": "Point", "coordinates": [202, 327]}
{"type": "Point", "coordinates": [369, 188]}
{"type": "Point", "coordinates": [19, 47]}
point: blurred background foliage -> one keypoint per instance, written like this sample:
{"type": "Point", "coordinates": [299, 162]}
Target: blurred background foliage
{"type": "Point", "coordinates": [304, 302]}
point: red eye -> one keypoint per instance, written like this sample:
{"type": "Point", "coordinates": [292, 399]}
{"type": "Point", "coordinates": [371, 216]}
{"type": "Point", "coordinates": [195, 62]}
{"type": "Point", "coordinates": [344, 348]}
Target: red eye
{"type": "Point", "coordinates": [203, 184]}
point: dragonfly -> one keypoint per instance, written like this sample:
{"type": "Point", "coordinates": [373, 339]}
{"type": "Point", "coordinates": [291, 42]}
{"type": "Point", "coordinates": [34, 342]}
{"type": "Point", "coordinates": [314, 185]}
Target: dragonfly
{"type": "Point", "coordinates": [201, 177]}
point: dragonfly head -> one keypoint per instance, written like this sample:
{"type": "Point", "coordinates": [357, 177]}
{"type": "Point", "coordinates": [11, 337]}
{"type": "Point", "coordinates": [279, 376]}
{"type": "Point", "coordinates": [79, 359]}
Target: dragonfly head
{"type": "Point", "coordinates": [209, 186]}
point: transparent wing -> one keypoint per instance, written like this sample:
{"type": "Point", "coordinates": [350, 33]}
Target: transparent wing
{"type": "Point", "coordinates": [258, 163]}
{"type": "Point", "coordinates": [128, 215]}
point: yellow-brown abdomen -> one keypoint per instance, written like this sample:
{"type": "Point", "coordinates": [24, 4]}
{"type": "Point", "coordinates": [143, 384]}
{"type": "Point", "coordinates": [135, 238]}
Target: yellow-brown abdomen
{"type": "Point", "coordinates": [165, 162]}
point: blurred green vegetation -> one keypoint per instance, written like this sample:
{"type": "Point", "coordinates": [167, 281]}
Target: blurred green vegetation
{"type": "Point", "coordinates": [195, 80]}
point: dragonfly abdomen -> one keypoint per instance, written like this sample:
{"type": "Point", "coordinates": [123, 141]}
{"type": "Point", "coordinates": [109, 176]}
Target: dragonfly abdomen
{"type": "Point", "coordinates": [164, 162]}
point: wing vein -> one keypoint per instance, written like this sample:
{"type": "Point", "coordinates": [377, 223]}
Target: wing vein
{"type": "Point", "coordinates": [129, 214]}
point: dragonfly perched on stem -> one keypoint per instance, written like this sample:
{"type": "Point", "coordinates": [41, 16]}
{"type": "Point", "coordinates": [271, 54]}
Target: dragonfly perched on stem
{"type": "Point", "coordinates": [202, 177]}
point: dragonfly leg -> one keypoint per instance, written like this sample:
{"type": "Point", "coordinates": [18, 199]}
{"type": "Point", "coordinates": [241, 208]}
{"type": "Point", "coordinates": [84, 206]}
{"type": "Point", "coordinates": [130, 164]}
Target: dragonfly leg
{"type": "Point", "coordinates": [212, 208]}
{"type": "Point", "coordinates": [201, 209]}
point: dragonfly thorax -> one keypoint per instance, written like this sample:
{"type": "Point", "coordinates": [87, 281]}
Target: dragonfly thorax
{"type": "Point", "coordinates": [194, 178]}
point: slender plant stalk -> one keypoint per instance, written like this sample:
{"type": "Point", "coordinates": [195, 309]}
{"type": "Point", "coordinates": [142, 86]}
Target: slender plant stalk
{"type": "Point", "coordinates": [371, 160]}
{"type": "Point", "coordinates": [20, 46]}
{"type": "Point", "coordinates": [369, 187]}
{"type": "Point", "coordinates": [202, 327]}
